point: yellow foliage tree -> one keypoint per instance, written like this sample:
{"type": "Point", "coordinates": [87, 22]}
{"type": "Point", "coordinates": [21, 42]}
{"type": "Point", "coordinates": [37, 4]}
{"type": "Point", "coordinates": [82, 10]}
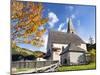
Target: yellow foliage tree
{"type": "Point", "coordinates": [26, 18]}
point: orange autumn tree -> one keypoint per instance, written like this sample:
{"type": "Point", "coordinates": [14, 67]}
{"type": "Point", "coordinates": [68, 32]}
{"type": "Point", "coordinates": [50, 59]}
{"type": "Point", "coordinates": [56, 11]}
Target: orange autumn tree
{"type": "Point", "coordinates": [26, 20]}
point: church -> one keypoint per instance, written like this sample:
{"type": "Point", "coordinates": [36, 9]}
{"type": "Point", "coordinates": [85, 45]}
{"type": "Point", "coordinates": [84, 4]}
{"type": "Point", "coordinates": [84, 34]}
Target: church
{"type": "Point", "coordinates": [66, 47]}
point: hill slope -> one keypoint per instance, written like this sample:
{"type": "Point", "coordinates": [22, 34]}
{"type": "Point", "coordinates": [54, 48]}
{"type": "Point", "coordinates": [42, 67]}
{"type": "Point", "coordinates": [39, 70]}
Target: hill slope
{"type": "Point", "coordinates": [26, 52]}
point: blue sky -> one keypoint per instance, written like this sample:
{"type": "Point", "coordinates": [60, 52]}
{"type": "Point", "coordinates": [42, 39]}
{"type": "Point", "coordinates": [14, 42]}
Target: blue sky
{"type": "Point", "coordinates": [83, 18]}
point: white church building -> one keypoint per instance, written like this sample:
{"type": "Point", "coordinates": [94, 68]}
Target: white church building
{"type": "Point", "coordinates": [66, 47]}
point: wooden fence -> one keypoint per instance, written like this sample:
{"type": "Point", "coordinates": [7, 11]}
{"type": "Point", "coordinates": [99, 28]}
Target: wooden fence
{"type": "Point", "coordinates": [31, 64]}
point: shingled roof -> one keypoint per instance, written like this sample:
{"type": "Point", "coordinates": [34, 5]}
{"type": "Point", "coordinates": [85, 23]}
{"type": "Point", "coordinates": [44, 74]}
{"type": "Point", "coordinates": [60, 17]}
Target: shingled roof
{"type": "Point", "coordinates": [72, 47]}
{"type": "Point", "coordinates": [64, 38]}
{"type": "Point", "coordinates": [67, 37]}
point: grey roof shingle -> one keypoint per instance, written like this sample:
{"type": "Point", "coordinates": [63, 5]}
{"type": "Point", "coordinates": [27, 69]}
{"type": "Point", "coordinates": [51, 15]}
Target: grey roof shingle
{"type": "Point", "coordinates": [72, 47]}
{"type": "Point", "coordinates": [64, 38]}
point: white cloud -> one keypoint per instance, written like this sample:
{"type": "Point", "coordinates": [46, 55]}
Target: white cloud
{"type": "Point", "coordinates": [60, 26]}
{"type": "Point", "coordinates": [67, 20]}
{"type": "Point", "coordinates": [73, 16]}
{"type": "Point", "coordinates": [71, 8]}
{"type": "Point", "coordinates": [64, 30]}
{"type": "Point", "coordinates": [52, 19]}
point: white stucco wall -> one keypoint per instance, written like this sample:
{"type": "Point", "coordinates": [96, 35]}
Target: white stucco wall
{"type": "Point", "coordinates": [59, 45]}
{"type": "Point", "coordinates": [74, 57]}
{"type": "Point", "coordinates": [40, 59]}
{"type": "Point", "coordinates": [56, 55]}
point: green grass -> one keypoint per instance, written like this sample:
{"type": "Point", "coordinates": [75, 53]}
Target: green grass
{"type": "Point", "coordinates": [66, 68]}
{"type": "Point", "coordinates": [79, 67]}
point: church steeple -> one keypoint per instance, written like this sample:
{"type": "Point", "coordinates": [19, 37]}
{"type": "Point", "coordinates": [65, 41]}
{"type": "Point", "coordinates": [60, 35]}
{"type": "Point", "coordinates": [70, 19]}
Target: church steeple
{"type": "Point", "coordinates": [70, 28]}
